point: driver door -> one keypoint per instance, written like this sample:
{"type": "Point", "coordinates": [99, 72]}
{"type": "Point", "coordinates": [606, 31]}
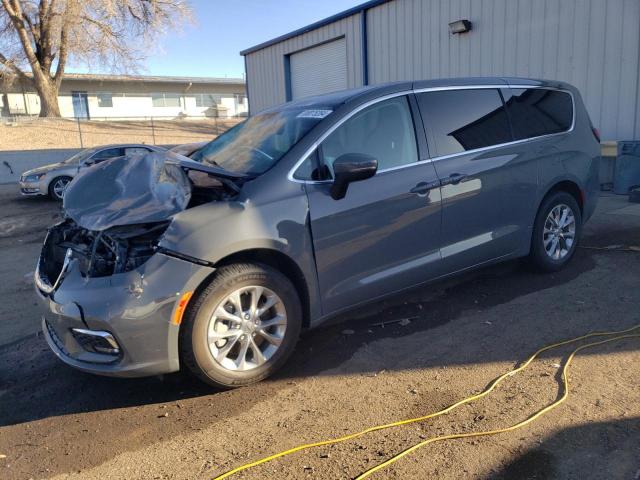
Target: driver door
{"type": "Point", "coordinates": [384, 235]}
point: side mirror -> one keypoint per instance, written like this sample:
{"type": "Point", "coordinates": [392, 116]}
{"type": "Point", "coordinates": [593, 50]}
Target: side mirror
{"type": "Point", "coordinates": [351, 167]}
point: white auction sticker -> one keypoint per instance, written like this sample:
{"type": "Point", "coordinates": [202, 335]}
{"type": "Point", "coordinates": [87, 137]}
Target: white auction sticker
{"type": "Point", "coordinates": [314, 113]}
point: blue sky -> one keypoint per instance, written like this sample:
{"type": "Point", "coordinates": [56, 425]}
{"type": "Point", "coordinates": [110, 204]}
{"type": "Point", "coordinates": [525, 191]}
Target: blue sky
{"type": "Point", "coordinates": [223, 28]}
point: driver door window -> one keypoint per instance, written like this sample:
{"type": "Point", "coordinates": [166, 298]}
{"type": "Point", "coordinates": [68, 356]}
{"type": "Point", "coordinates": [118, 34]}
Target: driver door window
{"type": "Point", "coordinates": [384, 131]}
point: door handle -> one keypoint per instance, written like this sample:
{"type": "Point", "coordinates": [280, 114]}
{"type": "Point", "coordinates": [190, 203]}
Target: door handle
{"type": "Point", "coordinates": [423, 188]}
{"type": "Point", "coordinates": [453, 179]}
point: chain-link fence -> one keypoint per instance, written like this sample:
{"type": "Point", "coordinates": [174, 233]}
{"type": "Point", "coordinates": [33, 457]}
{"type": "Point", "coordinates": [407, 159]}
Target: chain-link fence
{"type": "Point", "coordinates": [34, 133]}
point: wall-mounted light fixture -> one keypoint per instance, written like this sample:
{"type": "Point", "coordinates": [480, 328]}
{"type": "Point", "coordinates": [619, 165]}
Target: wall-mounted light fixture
{"type": "Point", "coordinates": [459, 26]}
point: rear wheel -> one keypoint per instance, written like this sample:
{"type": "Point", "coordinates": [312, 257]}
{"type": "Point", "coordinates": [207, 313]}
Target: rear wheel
{"type": "Point", "coordinates": [242, 327]}
{"type": "Point", "coordinates": [556, 232]}
{"type": "Point", "coordinates": [57, 187]}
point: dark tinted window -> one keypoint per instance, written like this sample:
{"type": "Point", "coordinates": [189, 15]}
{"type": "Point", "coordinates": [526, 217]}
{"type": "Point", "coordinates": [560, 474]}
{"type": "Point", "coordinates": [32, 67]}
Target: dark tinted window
{"type": "Point", "coordinates": [384, 130]}
{"type": "Point", "coordinates": [538, 111]}
{"type": "Point", "coordinates": [106, 154]}
{"type": "Point", "coordinates": [461, 120]}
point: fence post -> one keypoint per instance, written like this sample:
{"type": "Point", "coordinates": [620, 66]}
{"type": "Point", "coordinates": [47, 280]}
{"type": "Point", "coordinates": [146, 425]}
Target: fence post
{"type": "Point", "coordinates": [153, 131]}
{"type": "Point", "coordinates": [79, 132]}
{"type": "Point", "coordinates": [215, 119]}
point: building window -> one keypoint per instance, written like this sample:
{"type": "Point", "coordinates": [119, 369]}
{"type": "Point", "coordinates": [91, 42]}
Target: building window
{"type": "Point", "coordinates": [105, 100]}
{"type": "Point", "coordinates": [165, 99]}
{"type": "Point", "coordinates": [207, 99]}
{"type": "Point", "coordinates": [210, 99]}
{"type": "Point", "coordinates": [241, 99]}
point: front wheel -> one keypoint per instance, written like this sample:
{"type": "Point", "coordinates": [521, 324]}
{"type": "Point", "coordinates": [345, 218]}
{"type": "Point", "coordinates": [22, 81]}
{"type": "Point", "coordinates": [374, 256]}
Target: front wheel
{"type": "Point", "coordinates": [58, 186]}
{"type": "Point", "coordinates": [555, 233]}
{"type": "Point", "coordinates": [242, 327]}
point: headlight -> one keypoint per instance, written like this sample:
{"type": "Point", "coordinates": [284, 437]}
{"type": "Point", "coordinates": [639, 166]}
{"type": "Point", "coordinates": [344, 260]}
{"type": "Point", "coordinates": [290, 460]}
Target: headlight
{"type": "Point", "coordinates": [34, 177]}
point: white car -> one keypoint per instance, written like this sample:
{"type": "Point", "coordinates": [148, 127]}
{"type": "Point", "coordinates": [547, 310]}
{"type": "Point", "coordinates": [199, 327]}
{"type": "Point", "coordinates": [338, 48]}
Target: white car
{"type": "Point", "coordinates": [53, 179]}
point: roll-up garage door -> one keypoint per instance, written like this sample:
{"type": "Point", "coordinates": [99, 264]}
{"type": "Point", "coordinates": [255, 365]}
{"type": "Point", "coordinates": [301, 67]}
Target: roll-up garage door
{"type": "Point", "coordinates": [318, 70]}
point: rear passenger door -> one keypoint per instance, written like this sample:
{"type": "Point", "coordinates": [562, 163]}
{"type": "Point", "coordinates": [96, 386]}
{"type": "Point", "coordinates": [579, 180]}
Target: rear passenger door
{"type": "Point", "coordinates": [485, 180]}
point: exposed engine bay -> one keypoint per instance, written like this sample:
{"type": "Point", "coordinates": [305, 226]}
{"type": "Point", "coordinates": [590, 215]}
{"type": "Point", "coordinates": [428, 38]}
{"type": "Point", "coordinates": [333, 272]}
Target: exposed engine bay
{"type": "Point", "coordinates": [117, 211]}
{"type": "Point", "coordinates": [99, 254]}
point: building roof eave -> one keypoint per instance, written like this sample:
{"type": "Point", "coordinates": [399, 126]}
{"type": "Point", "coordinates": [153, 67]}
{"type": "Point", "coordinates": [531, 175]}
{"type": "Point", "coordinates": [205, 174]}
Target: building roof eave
{"type": "Point", "coordinates": [321, 23]}
{"type": "Point", "coordinates": [90, 77]}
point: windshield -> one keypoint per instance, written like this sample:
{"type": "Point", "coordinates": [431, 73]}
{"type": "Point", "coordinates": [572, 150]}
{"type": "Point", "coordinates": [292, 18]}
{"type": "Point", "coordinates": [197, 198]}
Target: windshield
{"type": "Point", "coordinates": [255, 145]}
{"type": "Point", "coordinates": [79, 156]}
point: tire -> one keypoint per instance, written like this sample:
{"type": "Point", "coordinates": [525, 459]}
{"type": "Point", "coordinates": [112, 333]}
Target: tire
{"type": "Point", "coordinates": [202, 330]}
{"type": "Point", "coordinates": [53, 187]}
{"type": "Point", "coordinates": [543, 256]}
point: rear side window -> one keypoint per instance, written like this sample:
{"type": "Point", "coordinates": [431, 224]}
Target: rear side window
{"type": "Point", "coordinates": [461, 120]}
{"type": "Point", "coordinates": [106, 154]}
{"type": "Point", "coordinates": [538, 111]}
{"type": "Point", "coordinates": [136, 151]}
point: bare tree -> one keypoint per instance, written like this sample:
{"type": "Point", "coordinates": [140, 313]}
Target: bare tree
{"type": "Point", "coordinates": [43, 36]}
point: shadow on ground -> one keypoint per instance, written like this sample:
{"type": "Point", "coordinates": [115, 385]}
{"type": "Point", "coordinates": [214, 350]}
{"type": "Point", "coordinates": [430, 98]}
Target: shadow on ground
{"type": "Point", "coordinates": [48, 409]}
{"type": "Point", "coordinates": [32, 376]}
{"type": "Point", "coordinates": [614, 453]}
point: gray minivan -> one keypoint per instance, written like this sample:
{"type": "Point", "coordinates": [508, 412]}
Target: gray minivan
{"type": "Point", "coordinates": [306, 210]}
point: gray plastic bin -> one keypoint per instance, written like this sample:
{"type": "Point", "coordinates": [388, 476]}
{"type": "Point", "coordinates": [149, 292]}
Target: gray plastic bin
{"type": "Point", "coordinates": [627, 172]}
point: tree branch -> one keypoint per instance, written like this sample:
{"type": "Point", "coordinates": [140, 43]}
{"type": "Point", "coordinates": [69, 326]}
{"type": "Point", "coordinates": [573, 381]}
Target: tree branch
{"type": "Point", "coordinates": [12, 66]}
{"type": "Point", "coordinates": [15, 14]}
{"type": "Point", "coordinates": [63, 54]}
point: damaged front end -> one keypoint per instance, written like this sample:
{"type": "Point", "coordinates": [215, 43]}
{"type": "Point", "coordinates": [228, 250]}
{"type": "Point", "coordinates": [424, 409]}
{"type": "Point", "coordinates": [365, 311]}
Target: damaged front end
{"type": "Point", "coordinates": [117, 211]}
{"type": "Point", "coordinates": [109, 290]}
{"type": "Point", "coordinates": [97, 253]}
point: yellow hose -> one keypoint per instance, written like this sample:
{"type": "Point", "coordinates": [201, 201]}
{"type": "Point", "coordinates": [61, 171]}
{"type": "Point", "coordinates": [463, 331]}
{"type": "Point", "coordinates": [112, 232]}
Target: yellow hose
{"type": "Point", "coordinates": [618, 335]}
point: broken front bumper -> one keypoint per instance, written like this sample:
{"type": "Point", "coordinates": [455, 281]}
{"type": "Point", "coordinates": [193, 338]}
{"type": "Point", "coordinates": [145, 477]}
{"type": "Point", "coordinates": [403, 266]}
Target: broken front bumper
{"type": "Point", "coordinates": [119, 325]}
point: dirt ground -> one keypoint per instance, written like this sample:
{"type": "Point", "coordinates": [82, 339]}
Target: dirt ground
{"type": "Point", "coordinates": [59, 423]}
{"type": "Point", "coordinates": [42, 133]}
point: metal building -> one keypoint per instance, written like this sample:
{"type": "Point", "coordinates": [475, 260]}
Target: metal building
{"type": "Point", "coordinates": [593, 44]}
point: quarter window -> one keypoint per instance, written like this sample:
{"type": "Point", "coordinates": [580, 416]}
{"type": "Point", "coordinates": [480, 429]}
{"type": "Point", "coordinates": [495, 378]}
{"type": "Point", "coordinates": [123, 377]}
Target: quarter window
{"type": "Point", "coordinates": [311, 169]}
{"type": "Point", "coordinates": [384, 131]}
{"type": "Point", "coordinates": [461, 120]}
{"type": "Point", "coordinates": [538, 111]}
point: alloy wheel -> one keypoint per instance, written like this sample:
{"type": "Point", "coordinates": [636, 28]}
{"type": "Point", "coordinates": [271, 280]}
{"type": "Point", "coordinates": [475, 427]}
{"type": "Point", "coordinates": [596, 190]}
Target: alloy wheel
{"type": "Point", "coordinates": [60, 186]}
{"type": "Point", "coordinates": [559, 232]}
{"type": "Point", "coordinates": [247, 328]}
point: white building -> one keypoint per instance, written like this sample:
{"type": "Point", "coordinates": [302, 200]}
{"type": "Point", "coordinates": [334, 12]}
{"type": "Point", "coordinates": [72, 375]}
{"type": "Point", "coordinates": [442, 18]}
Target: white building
{"type": "Point", "coordinates": [99, 97]}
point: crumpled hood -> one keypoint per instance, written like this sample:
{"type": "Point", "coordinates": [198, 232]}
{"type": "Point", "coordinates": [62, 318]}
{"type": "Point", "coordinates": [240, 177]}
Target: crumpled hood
{"type": "Point", "coordinates": [128, 190]}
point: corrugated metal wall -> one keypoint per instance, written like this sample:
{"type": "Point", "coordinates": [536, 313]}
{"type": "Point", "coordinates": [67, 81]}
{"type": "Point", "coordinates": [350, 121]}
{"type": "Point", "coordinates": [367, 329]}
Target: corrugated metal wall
{"type": "Point", "coordinates": [265, 68]}
{"type": "Point", "coordinates": [593, 44]}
